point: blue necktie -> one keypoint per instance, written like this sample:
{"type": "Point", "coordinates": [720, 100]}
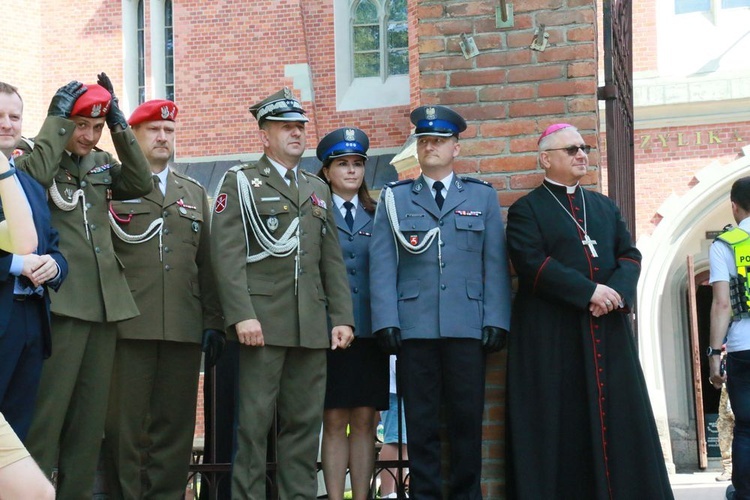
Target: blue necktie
{"type": "Point", "coordinates": [349, 218]}
{"type": "Point", "coordinates": [438, 187]}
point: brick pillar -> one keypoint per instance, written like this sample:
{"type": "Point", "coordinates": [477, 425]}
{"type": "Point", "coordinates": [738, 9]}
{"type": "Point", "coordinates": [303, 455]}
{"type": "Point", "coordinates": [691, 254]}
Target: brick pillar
{"type": "Point", "coordinates": [508, 94]}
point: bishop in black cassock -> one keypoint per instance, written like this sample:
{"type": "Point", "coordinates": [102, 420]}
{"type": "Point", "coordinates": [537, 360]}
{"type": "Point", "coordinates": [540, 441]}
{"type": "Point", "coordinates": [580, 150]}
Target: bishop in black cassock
{"type": "Point", "coordinates": [580, 424]}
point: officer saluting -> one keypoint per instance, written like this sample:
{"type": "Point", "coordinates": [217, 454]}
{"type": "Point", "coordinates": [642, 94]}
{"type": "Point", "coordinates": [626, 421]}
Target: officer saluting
{"type": "Point", "coordinates": [440, 292]}
{"type": "Point", "coordinates": [278, 264]}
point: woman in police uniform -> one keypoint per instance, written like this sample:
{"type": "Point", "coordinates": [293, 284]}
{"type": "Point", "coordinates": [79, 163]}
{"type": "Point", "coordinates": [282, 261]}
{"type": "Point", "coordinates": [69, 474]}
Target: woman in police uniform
{"type": "Point", "coordinates": [357, 381]}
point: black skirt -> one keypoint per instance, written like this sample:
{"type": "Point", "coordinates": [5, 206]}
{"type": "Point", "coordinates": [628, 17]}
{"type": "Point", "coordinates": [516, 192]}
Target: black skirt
{"type": "Point", "coordinates": [357, 376]}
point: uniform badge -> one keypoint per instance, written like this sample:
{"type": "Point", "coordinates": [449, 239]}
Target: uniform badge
{"type": "Point", "coordinates": [288, 93]}
{"type": "Point", "coordinates": [221, 203]}
{"type": "Point", "coordinates": [256, 182]}
{"type": "Point", "coordinates": [96, 110]}
{"type": "Point", "coordinates": [69, 193]}
{"type": "Point", "coordinates": [164, 112]}
{"type": "Point", "coordinates": [272, 223]}
{"type": "Point", "coordinates": [430, 113]}
{"type": "Point", "coordinates": [182, 210]}
{"type": "Point", "coordinates": [196, 226]}
{"type": "Point", "coordinates": [323, 231]}
{"type": "Point", "coordinates": [286, 207]}
{"type": "Point", "coordinates": [349, 135]}
{"type": "Point", "coordinates": [266, 170]}
{"type": "Point", "coordinates": [418, 187]}
{"type": "Point", "coordinates": [316, 212]}
{"type": "Point", "coordinates": [413, 239]}
{"type": "Point", "coordinates": [109, 194]}
{"type": "Point", "coordinates": [16, 153]}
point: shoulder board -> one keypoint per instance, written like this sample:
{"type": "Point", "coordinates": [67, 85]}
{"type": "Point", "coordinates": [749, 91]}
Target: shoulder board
{"type": "Point", "coordinates": [475, 181]}
{"type": "Point", "coordinates": [28, 142]}
{"type": "Point", "coordinates": [403, 182]}
{"type": "Point", "coordinates": [186, 177]}
{"type": "Point", "coordinates": [241, 166]}
{"type": "Point", "coordinates": [311, 176]}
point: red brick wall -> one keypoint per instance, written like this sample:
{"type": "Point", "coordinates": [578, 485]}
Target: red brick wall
{"type": "Point", "coordinates": [508, 94]}
{"type": "Point", "coordinates": [667, 159]}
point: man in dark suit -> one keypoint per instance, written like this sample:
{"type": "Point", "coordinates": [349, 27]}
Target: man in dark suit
{"type": "Point", "coordinates": [439, 280]}
{"type": "Point", "coordinates": [24, 301]}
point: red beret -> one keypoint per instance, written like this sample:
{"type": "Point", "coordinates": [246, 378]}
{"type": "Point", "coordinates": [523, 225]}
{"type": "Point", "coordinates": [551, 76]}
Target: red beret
{"type": "Point", "coordinates": [157, 109]}
{"type": "Point", "coordinates": [94, 103]}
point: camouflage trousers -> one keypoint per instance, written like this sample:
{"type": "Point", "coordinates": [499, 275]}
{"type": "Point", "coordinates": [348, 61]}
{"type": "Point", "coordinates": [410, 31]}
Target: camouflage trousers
{"type": "Point", "coordinates": [725, 427]}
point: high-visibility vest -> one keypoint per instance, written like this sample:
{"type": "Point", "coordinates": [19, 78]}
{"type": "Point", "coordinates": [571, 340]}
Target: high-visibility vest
{"type": "Point", "coordinates": [739, 240]}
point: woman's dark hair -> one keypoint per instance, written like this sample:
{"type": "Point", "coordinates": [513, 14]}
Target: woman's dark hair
{"type": "Point", "coordinates": [363, 194]}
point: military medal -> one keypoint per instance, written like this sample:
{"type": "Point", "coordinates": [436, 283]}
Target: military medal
{"type": "Point", "coordinates": [196, 226]}
{"type": "Point", "coordinates": [257, 182]}
{"type": "Point", "coordinates": [182, 210]}
{"type": "Point", "coordinates": [316, 212]}
{"type": "Point", "coordinates": [273, 223]}
{"type": "Point", "coordinates": [184, 206]}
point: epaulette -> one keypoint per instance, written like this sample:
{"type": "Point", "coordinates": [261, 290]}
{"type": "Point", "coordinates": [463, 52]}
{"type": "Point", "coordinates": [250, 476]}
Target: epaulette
{"type": "Point", "coordinates": [29, 142]}
{"type": "Point", "coordinates": [475, 181]}
{"type": "Point", "coordinates": [186, 177]}
{"type": "Point", "coordinates": [241, 166]}
{"type": "Point", "coordinates": [402, 182]}
{"type": "Point", "coordinates": [312, 176]}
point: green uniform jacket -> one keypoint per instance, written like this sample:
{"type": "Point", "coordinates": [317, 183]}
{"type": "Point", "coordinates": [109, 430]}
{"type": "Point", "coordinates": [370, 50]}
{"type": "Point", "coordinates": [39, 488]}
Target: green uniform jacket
{"type": "Point", "coordinates": [264, 290]}
{"type": "Point", "coordinates": [95, 289]}
{"type": "Point", "coordinates": [176, 295]}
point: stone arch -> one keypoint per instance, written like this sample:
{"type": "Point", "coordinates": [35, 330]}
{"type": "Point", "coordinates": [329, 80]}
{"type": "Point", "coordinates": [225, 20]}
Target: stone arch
{"type": "Point", "coordinates": [663, 315]}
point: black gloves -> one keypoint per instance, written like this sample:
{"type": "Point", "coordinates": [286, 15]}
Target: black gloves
{"type": "Point", "coordinates": [493, 338]}
{"type": "Point", "coordinates": [389, 339]}
{"type": "Point", "coordinates": [65, 98]}
{"type": "Point", "coordinates": [213, 345]}
{"type": "Point", "coordinates": [114, 116]}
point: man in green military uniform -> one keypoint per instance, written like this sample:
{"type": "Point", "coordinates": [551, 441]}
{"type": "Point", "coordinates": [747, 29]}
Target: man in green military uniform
{"type": "Point", "coordinates": [278, 265]}
{"type": "Point", "coordinates": [69, 419]}
{"type": "Point", "coordinates": [162, 239]}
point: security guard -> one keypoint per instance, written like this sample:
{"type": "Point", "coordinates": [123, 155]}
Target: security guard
{"type": "Point", "coordinates": [278, 264]}
{"type": "Point", "coordinates": [74, 389]}
{"type": "Point", "coordinates": [441, 295]}
{"type": "Point", "coordinates": [163, 241]}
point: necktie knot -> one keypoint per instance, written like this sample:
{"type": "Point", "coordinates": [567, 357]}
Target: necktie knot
{"type": "Point", "coordinates": [349, 217]}
{"type": "Point", "coordinates": [289, 174]}
{"type": "Point", "coordinates": [438, 186]}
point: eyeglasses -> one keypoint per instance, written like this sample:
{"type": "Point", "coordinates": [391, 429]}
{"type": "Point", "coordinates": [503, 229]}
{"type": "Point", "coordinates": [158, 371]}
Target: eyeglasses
{"type": "Point", "coordinates": [573, 150]}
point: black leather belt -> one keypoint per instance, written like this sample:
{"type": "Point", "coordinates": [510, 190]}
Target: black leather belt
{"type": "Point", "coordinates": [23, 297]}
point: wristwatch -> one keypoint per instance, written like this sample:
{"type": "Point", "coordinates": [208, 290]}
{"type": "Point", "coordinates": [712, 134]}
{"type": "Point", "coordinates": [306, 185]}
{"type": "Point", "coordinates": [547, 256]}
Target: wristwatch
{"type": "Point", "coordinates": [713, 352]}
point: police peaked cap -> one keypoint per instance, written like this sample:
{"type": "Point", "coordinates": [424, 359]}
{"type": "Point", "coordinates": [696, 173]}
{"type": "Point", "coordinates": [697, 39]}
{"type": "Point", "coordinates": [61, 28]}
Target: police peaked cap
{"type": "Point", "coordinates": [343, 142]}
{"type": "Point", "coordinates": [438, 121]}
{"type": "Point", "coordinates": [281, 106]}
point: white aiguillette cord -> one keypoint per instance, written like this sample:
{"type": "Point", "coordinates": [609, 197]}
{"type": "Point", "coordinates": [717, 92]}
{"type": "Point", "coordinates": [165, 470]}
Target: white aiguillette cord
{"type": "Point", "coordinates": [586, 241]}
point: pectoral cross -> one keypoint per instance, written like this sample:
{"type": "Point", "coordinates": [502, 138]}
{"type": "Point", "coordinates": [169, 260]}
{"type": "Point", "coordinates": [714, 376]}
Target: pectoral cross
{"type": "Point", "coordinates": [590, 243]}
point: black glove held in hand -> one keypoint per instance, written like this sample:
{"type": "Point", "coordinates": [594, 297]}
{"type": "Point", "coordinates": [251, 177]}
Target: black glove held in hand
{"type": "Point", "coordinates": [114, 115]}
{"type": "Point", "coordinates": [493, 338]}
{"type": "Point", "coordinates": [389, 339]}
{"type": "Point", "coordinates": [65, 98]}
{"type": "Point", "coordinates": [213, 346]}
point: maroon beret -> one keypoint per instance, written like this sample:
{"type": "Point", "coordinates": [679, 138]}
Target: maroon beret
{"type": "Point", "coordinates": [156, 109]}
{"type": "Point", "coordinates": [94, 103]}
